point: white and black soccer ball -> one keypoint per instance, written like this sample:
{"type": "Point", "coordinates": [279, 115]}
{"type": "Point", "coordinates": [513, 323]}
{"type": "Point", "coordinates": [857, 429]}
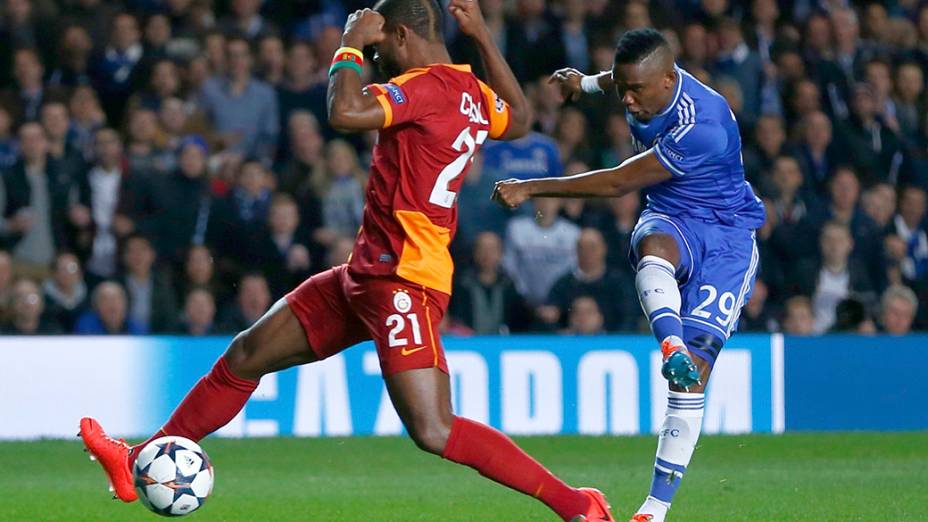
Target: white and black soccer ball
{"type": "Point", "coordinates": [173, 476]}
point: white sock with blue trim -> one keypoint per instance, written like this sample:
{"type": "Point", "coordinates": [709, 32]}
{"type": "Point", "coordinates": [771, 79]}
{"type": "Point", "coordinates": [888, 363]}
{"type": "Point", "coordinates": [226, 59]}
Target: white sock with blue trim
{"type": "Point", "coordinates": [660, 297]}
{"type": "Point", "coordinates": [676, 442]}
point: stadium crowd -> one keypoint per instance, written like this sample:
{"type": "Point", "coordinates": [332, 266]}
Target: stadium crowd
{"type": "Point", "coordinates": [167, 165]}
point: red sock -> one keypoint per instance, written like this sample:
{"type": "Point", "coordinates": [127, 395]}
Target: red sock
{"type": "Point", "coordinates": [496, 456]}
{"type": "Point", "coordinates": [210, 405]}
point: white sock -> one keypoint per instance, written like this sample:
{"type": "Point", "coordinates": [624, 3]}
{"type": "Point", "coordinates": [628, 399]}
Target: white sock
{"type": "Point", "coordinates": [676, 442]}
{"type": "Point", "coordinates": [659, 296]}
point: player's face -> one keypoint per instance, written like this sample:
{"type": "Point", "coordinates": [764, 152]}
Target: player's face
{"type": "Point", "coordinates": [388, 54]}
{"type": "Point", "coordinates": [644, 88]}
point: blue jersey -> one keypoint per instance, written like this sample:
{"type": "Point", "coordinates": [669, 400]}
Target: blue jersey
{"type": "Point", "coordinates": [696, 138]}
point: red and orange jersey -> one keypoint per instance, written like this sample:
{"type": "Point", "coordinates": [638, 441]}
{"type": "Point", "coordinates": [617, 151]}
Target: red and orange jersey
{"type": "Point", "coordinates": [437, 117]}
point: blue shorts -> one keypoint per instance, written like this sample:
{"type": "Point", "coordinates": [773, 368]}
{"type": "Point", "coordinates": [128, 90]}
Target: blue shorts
{"type": "Point", "coordinates": [718, 264]}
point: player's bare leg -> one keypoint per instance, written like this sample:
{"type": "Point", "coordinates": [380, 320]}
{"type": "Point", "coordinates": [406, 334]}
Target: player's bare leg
{"type": "Point", "coordinates": [423, 400]}
{"type": "Point", "coordinates": [275, 342]}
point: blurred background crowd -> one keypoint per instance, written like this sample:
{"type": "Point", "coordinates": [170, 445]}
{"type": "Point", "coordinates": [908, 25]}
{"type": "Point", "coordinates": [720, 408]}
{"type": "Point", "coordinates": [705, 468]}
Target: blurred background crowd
{"type": "Point", "coordinates": [167, 166]}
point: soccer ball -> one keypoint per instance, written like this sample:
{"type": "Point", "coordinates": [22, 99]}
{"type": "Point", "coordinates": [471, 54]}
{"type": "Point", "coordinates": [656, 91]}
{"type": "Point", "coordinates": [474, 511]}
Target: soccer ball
{"type": "Point", "coordinates": [173, 476]}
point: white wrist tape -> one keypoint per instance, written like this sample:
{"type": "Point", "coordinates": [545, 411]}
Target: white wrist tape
{"type": "Point", "coordinates": [590, 84]}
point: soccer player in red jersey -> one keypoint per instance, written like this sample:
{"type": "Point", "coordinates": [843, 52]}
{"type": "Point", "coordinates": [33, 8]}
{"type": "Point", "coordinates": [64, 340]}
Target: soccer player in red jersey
{"type": "Point", "coordinates": [432, 117]}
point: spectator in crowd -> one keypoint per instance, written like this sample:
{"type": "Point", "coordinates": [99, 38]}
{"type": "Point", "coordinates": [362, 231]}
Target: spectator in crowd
{"type": "Point", "coordinates": [36, 202]}
{"type": "Point", "coordinates": [151, 297]}
{"type": "Point", "coordinates": [584, 317]}
{"type": "Point", "coordinates": [842, 207]}
{"type": "Point", "coordinates": [851, 317]}
{"type": "Point", "coordinates": [339, 251]}
{"type": "Point", "coordinates": [476, 212]}
{"type": "Point", "coordinates": [533, 41]}
{"type": "Point", "coordinates": [738, 61]}
{"type": "Point", "coordinates": [908, 243]}
{"type": "Point", "coordinates": [27, 311]}
{"type": "Point", "coordinates": [619, 147]}
{"type": "Point", "coordinates": [6, 284]}
{"type": "Point", "coordinates": [114, 72]}
{"type": "Point", "coordinates": [199, 271]}
{"type": "Point", "coordinates": [769, 139]}
{"type": "Point", "coordinates": [873, 147]}
{"type": "Point", "coordinates": [198, 318]}
{"type": "Point", "coordinates": [93, 218]}
{"type": "Point", "coordinates": [145, 155]}
{"type": "Point", "coordinates": [879, 204]}
{"type": "Point", "coordinates": [341, 186]}
{"type": "Point", "coordinates": [817, 153]}
{"type": "Point", "coordinates": [486, 300]}
{"type": "Point", "coordinates": [534, 155]}
{"type": "Point", "coordinates": [66, 294]}
{"type": "Point", "coordinates": [898, 307]}
{"type": "Point", "coordinates": [616, 226]}
{"type": "Point", "coordinates": [539, 250]}
{"type": "Point", "coordinates": [24, 99]}
{"type": "Point", "coordinates": [301, 89]}
{"type": "Point", "coordinates": [163, 83]}
{"type": "Point", "coordinates": [285, 246]}
{"type": "Point", "coordinates": [757, 315]}
{"type": "Point", "coordinates": [86, 117]}
{"type": "Point", "coordinates": [799, 318]}
{"type": "Point", "coordinates": [246, 19]}
{"type": "Point", "coordinates": [174, 210]}
{"type": "Point", "coordinates": [74, 52]}
{"type": "Point", "coordinates": [571, 137]}
{"type": "Point", "coordinates": [238, 222]}
{"type": "Point", "coordinates": [56, 122]}
{"type": "Point", "coordinates": [8, 146]}
{"type": "Point", "coordinates": [909, 103]}
{"type": "Point", "coordinates": [816, 87]}
{"type": "Point", "coordinates": [253, 299]}
{"type": "Point", "coordinates": [251, 129]}
{"type": "Point", "coordinates": [592, 278]}
{"type": "Point", "coordinates": [834, 277]}
{"type": "Point", "coordinates": [109, 313]}
{"type": "Point", "coordinates": [271, 60]}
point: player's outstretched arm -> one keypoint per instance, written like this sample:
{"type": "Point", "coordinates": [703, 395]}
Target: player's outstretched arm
{"type": "Point", "coordinates": [499, 75]}
{"type": "Point", "coordinates": [633, 174]}
{"type": "Point", "coordinates": [350, 107]}
{"type": "Point", "coordinates": [573, 82]}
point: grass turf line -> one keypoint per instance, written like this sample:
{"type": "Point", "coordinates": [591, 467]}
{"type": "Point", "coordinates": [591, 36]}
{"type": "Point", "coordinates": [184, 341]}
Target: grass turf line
{"type": "Point", "coordinates": [794, 477]}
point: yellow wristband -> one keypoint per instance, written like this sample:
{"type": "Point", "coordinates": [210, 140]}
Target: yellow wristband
{"type": "Point", "coordinates": [349, 50]}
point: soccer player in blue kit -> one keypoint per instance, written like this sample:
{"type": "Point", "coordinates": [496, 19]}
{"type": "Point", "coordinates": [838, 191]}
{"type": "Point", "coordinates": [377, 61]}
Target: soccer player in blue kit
{"type": "Point", "coordinates": [693, 247]}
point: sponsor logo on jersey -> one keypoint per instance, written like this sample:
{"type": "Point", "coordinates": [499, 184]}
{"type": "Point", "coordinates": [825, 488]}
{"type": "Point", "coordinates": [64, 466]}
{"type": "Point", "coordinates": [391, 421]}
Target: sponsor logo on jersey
{"type": "Point", "coordinates": [406, 351]}
{"type": "Point", "coordinates": [396, 93]}
{"type": "Point", "coordinates": [401, 301]}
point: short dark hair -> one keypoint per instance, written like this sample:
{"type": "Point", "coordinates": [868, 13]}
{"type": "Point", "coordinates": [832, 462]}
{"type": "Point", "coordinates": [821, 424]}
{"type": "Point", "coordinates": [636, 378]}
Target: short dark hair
{"type": "Point", "coordinates": [637, 44]}
{"type": "Point", "coordinates": [424, 17]}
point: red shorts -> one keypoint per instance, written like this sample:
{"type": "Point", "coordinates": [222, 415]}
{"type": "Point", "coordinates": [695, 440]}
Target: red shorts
{"type": "Point", "coordinates": [338, 310]}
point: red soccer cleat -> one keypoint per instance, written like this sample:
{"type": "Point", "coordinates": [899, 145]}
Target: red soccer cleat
{"type": "Point", "coordinates": [641, 517]}
{"type": "Point", "coordinates": [112, 454]}
{"type": "Point", "coordinates": [599, 507]}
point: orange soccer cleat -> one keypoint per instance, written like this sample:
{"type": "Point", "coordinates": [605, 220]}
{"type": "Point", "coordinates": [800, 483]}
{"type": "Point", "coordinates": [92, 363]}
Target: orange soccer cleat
{"type": "Point", "coordinates": [112, 454]}
{"type": "Point", "coordinates": [599, 507]}
{"type": "Point", "coordinates": [641, 517]}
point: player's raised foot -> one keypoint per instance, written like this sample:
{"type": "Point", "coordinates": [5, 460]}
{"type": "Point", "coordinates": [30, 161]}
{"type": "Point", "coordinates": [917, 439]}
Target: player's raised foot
{"type": "Point", "coordinates": [678, 367]}
{"type": "Point", "coordinates": [112, 454]}
{"type": "Point", "coordinates": [599, 510]}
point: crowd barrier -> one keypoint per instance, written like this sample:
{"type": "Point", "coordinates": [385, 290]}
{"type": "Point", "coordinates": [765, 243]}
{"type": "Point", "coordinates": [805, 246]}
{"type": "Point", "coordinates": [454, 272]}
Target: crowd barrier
{"type": "Point", "coordinates": [525, 385]}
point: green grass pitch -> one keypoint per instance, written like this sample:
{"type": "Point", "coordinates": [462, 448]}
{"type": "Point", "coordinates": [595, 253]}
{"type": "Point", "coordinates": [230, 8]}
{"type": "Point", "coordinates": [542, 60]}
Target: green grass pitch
{"type": "Point", "coordinates": [795, 477]}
